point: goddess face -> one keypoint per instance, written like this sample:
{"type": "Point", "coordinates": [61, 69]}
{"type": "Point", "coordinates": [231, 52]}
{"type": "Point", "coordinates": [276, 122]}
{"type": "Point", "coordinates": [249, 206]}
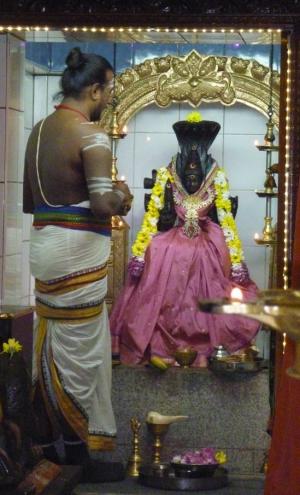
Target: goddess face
{"type": "Point", "coordinates": [192, 182]}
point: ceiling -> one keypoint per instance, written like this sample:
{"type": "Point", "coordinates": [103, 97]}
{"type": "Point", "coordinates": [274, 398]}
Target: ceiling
{"type": "Point", "coordinates": [247, 37]}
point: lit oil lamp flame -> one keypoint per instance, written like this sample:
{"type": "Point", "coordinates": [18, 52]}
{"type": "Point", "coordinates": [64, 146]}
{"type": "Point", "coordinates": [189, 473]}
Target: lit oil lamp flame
{"type": "Point", "coordinates": [236, 294]}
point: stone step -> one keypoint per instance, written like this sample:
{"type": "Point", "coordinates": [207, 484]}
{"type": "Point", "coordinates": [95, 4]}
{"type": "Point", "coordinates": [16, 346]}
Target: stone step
{"type": "Point", "coordinates": [238, 485]}
{"type": "Point", "coordinates": [227, 412]}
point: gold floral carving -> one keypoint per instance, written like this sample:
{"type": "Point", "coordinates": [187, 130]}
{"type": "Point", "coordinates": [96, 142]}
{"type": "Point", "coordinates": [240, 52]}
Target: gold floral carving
{"type": "Point", "coordinates": [194, 79]}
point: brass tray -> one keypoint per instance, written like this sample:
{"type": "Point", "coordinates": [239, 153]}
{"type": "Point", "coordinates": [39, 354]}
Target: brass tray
{"type": "Point", "coordinates": [165, 479]}
{"type": "Point", "coordinates": [231, 366]}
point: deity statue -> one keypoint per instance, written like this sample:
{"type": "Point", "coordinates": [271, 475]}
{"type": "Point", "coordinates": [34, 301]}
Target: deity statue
{"type": "Point", "coordinates": [188, 249]}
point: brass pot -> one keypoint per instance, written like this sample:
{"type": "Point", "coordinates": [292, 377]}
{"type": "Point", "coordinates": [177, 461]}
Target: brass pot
{"type": "Point", "coordinates": [185, 356]}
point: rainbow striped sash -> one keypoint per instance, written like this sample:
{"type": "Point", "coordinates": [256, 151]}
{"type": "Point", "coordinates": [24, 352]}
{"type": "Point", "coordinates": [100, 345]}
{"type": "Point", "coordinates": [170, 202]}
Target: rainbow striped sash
{"type": "Point", "coordinates": [70, 217]}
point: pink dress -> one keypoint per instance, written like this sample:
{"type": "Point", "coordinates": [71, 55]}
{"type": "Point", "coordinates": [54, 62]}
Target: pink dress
{"type": "Point", "coordinates": [157, 313]}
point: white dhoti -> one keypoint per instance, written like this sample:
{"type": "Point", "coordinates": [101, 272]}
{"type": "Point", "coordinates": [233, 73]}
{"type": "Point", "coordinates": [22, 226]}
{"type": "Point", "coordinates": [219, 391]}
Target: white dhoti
{"type": "Point", "coordinates": [73, 348]}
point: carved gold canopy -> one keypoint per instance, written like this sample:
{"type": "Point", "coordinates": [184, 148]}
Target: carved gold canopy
{"type": "Point", "coordinates": [194, 79]}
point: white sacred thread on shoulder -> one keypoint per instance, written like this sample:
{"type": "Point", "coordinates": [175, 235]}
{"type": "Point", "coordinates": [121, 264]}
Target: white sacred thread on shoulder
{"type": "Point", "coordinates": [96, 139]}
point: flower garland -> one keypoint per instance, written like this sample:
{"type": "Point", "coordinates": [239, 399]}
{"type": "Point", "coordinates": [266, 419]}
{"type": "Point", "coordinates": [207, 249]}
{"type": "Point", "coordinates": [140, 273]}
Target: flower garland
{"type": "Point", "coordinates": [150, 220]}
{"type": "Point", "coordinates": [239, 271]}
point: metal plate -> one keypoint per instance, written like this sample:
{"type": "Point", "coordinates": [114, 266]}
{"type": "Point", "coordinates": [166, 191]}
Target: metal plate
{"type": "Point", "coordinates": [223, 366]}
{"type": "Point", "coordinates": [167, 480]}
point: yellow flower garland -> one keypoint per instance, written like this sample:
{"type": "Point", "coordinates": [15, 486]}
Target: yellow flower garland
{"type": "Point", "coordinates": [151, 217]}
{"type": "Point", "coordinates": [225, 217]}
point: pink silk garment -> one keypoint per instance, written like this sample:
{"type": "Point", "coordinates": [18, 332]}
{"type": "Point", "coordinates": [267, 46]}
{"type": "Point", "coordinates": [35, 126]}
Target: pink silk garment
{"type": "Point", "coordinates": [157, 313]}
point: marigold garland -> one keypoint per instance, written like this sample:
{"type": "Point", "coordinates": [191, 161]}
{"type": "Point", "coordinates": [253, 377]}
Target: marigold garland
{"type": "Point", "coordinates": [226, 219]}
{"type": "Point", "coordinates": [151, 217]}
{"type": "Point", "coordinates": [155, 205]}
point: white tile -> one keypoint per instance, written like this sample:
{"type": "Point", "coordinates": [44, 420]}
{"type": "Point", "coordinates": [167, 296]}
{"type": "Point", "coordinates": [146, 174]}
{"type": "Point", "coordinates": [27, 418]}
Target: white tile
{"type": "Point", "coordinates": [28, 100]}
{"type": "Point", "coordinates": [155, 119]}
{"type": "Point", "coordinates": [250, 215]}
{"type": "Point", "coordinates": [53, 89]}
{"type": "Point", "coordinates": [255, 258]}
{"type": "Point", "coordinates": [2, 141]}
{"type": "Point", "coordinates": [245, 165]}
{"type": "Point", "coordinates": [12, 276]}
{"type": "Point", "coordinates": [15, 145]}
{"type": "Point", "coordinates": [26, 226]}
{"type": "Point", "coordinates": [32, 285]}
{"type": "Point", "coordinates": [137, 211]}
{"type": "Point", "coordinates": [16, 64]}
{"type": "Point", "coordinates": [3, 73]}
{"type": "Point", "coordinates": [20, 216]}
{"type": "Point", "coordinates": [21, 164]}
{"type": "Point", "coordinates": [25, 269]}
{"type": "Point", "coordinates": [13, 220]}
{"type": "Point", "coordinates": [125, 154]}
{"type": "Point", "coordinates": [2, 196]}
{"type": "Point", "coordinates": [27, 133]}
{"type": "Point", "coordinates": [240, 119]}
{"type": "Point", "coordinates": [40, 98]}
{"type": "Point", "coordinates": [208, 111]}
{"type": "Point", "coordinates": [152, 151]}
{"type": "Point", "coordinates": [25, 301]}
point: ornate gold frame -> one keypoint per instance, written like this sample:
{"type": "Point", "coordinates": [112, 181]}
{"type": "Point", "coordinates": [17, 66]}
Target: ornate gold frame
{"type": "Point", "coordinates": [193, 78]}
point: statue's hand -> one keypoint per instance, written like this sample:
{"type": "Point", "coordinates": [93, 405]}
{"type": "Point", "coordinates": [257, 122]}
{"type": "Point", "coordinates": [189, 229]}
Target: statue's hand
{"type": "Point", "coordinates": [127, 201]}
{"type": "Point", "coordinates": [126, 206]}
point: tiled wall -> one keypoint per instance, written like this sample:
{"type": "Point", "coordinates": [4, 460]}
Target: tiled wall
{"type": "Point", "coordinates": [27, 280]}
{"type": "Point", "coordinates": [14, 271]}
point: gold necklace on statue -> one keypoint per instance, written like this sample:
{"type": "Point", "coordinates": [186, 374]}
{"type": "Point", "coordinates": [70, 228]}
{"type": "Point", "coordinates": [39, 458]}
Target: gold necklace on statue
{"type": "Point", "coordinates": [191, 205]}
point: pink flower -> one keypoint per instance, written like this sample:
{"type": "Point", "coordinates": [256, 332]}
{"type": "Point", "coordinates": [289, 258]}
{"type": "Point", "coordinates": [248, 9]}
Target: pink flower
{"type": "Point", "coordinates": [201, 457]}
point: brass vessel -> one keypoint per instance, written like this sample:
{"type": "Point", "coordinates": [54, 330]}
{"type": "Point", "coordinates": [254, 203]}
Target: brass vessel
{"type": "Point", "coordinates": [185, 356]}
{"type": "Point", "coordinates": [276, 308]}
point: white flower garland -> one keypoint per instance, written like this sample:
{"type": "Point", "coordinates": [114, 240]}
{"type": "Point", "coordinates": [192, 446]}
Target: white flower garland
{"type": "Point", "coordinates": [226, 219]}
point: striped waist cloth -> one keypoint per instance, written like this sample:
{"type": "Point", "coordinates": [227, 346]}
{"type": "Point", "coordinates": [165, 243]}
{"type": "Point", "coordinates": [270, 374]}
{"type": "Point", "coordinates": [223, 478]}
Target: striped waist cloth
{"type": "Point", "coordinates": [70, 217]}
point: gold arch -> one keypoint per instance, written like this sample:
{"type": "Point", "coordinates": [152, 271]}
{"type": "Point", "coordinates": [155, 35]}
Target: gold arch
{"type": "Point", "coordinates": [194, 78]}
